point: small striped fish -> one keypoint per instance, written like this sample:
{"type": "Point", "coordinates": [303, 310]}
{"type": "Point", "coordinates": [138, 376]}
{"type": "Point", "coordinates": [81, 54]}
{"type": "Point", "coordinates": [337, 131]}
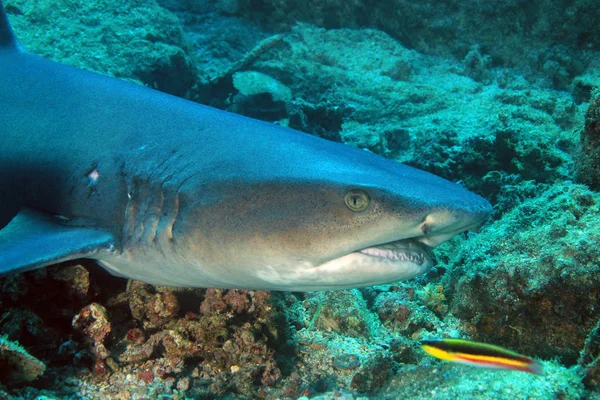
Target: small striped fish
{"type": "Point", "coordinates": [480, 355]}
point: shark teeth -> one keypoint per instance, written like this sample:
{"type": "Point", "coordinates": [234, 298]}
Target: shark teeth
{"type": "Point", "coordinates": [395, 255]}
{"type": "Point", "coordinates": [401, 250]}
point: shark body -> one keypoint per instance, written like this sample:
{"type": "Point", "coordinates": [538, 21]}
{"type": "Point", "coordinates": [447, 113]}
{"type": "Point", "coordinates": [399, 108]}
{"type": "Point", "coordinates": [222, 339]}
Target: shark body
{"type": "Point", "coordinates": [170, 192]}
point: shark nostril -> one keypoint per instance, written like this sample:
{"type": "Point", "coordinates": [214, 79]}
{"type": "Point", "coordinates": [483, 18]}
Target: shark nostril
{"type": "Point", "coordinates": [426, 228]}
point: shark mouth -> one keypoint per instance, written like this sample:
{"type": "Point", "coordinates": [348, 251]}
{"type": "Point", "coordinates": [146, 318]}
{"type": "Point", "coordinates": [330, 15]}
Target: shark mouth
{"type": "Point", "coordinates": [375, 265]}
{"type": "Point", "coordinates": [406, 250]}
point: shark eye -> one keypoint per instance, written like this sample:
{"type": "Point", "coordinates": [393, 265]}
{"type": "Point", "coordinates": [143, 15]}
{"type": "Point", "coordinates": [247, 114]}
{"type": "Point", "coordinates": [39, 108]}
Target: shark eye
{"type": "Point", "coordinates": [357, 200]}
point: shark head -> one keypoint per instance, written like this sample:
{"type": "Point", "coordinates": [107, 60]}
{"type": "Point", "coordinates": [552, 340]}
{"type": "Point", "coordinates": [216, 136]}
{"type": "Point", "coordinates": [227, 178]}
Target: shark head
{"type": "Point", "coordinates": [309, 222]}
{"type": "Point", "coordinates": [186, 195]}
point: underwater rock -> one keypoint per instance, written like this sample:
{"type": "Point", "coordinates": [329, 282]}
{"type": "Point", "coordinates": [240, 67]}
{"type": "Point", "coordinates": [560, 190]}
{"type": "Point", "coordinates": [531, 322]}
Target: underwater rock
{"type": "Point", "coordinates": [327, 360]}
{"type": "Point", "coordinates": [260, 96]}
{"type": "Point", "coordinates": [509, 151]}
{"type": "Point", "coordinates": [136, 348]}
{"type": "Point", "coordinates": [93, 323]}
{"type": "Point", "coordinates": [218, 302]}
{"type": "Point", "coordinates": [142, 42]}
{"type": "Point", "coordinates": [505, 123]}
{"type": "Point", "coordinates": [252, 83]}
{"type": "Point", "coordinates": [153, 308]}
{"type": "Point", "coordinates": [29, 328]}
{"type": "Point", "coordinates": [400, 313]}
{"type": "Point", "coordinates": [77, 279]}
{"type": "Point", "coordinates": [344, 312]}
{"type": "Point", "coordinates": [169, 70]}
{"type": "Point", "coordinates": [324, 119]}
{"type": "Point", "coordinates": [531, 280]}
{"type": "Point", "coordinates": [229, 7]}
{"type": "Point", "coordinates": [70, 287]}
{"type": "Point", "coordinates": [382, 139]}
{"type": "Point", "coordinates": [511, 33]}
{"type": "Point", "coordinates": [583, 85]}
{"type": "Point", "coordinates": [228, 342]}
{"type": "Point", "coordinates": [589, 359]}
{"type": "Point", "coordinates": [372, 374]}
{"type": "Point", "coordinates": [220, 83]}
{"type": "Point", "coordinates": [588, 158]}
{"type": "Point", "coordinates": [447, 381]}
{"type": "Point", "coordinates": [478, 65]}
{"type": "Point", "coordinates": [17, 366]}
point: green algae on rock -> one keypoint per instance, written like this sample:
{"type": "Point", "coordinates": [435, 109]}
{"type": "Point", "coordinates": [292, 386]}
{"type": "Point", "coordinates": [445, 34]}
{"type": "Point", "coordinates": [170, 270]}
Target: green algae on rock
{"type": "Point", "coordinates": [17, 366]}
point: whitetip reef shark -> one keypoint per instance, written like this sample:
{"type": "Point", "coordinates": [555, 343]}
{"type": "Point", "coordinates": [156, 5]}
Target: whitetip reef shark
{"type": "Point", "coordinates": [166, 191]}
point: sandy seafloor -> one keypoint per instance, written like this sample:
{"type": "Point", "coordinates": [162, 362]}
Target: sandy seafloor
{"type": "Point", "coordinates": [497, 95]}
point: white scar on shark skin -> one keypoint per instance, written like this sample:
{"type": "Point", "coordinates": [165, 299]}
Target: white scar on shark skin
{"type": "Point", "coordinates": [170, 192]}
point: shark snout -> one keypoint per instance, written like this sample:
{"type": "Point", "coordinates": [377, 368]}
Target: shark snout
{"type": "Point", "coordinates": [443, 224]}
{"type": "Point", "coordinates": [479, 215]}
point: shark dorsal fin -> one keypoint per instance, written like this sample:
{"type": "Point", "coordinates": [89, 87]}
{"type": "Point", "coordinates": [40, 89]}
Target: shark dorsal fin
{"type": "Point", "coordinates": [7, 37]}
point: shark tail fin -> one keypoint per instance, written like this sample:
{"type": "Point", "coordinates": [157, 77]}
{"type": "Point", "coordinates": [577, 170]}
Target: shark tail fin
{"type": "Point", "coordinates": [7, 37]}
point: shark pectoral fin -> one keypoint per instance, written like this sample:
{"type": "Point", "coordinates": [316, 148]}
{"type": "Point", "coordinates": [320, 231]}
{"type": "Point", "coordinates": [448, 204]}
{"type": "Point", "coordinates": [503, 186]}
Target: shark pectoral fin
{"type": "Point", "coordinates": [8, 210]}
{"type": "Point", "coordinates": [10, 202]}
{"type": "Point", "coordinates": [34, 240]}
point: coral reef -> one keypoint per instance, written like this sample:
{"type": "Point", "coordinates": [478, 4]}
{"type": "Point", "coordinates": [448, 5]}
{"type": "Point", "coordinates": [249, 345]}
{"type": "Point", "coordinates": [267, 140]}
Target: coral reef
{"type": "Point", "coordinates": [223, 343]}
{"type": "Point", "coordinates": [588, 160]}
{"type": "Point", "coordinates": [400, 313]}
{"type": "Point", "coordinates": [533, 274]}
{"type": "Point", "coordinates": [155, 54]}
{"type": "Point", "coordinates": [437, 91]}
{"type": "Point", "coordinates": [344, 312]}
{"type": "Point", "coordinates": [200, 343]}
{"type": "Point", "coordinates": [157, 339]}
{"type": "Point", "coordinates": [551, 40]}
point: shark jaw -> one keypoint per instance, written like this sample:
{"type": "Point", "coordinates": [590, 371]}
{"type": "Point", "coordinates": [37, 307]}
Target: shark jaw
{"type": "Point", "coordinates": [401, 250]}
{"type": "Point", "coordinates": [376, 265]}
